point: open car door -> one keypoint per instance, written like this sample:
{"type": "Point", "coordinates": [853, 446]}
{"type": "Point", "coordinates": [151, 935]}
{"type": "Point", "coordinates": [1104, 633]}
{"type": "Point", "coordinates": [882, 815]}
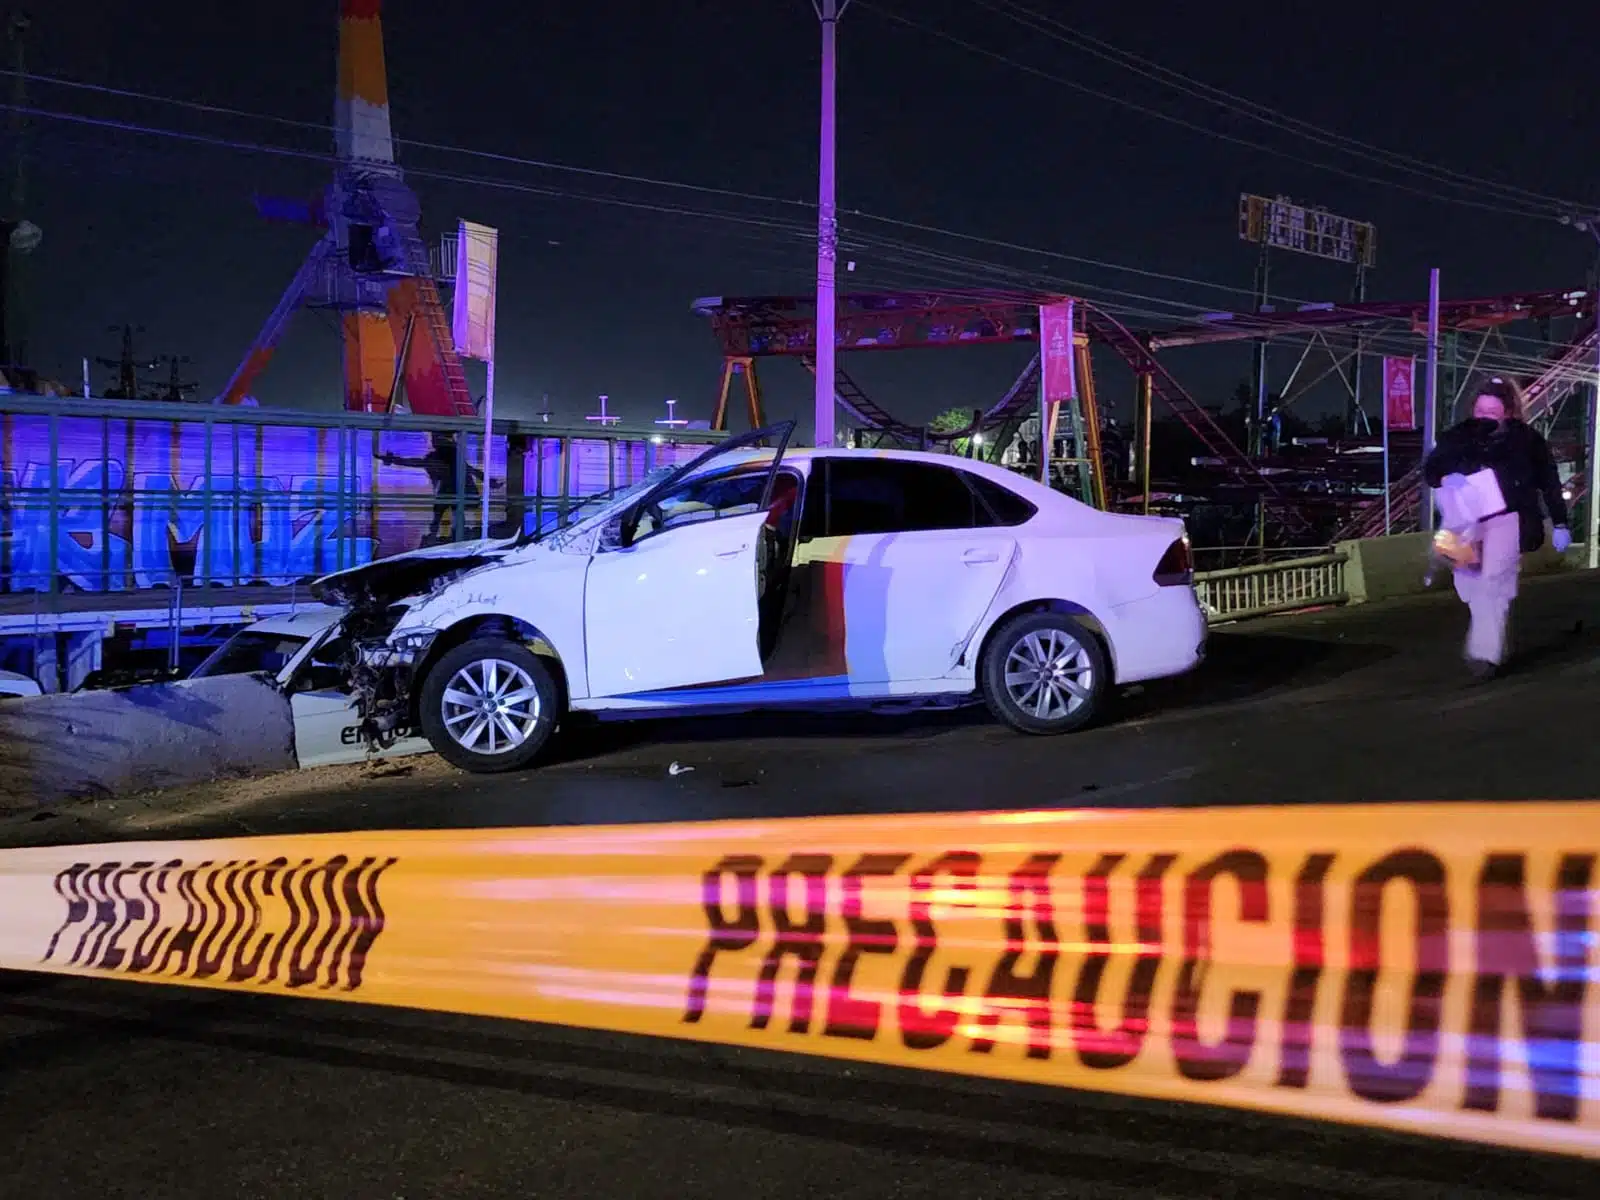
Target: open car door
{"type": "Point", "coordinates": [671, 595]}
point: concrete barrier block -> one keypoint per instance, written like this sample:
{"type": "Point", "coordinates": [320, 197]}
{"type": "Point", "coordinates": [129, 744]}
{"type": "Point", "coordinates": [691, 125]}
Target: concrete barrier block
{"type": "Point", "coordinates": [92, 744]}
{"type": "Point", "coordinates": [1387, 567]}
{"type": "Point", "coordinates": [1383, 568]}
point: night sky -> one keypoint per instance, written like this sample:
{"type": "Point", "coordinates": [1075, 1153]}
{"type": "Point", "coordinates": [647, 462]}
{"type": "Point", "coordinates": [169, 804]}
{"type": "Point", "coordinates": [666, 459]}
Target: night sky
{"type": "Point", "coordinates": [597, 274]}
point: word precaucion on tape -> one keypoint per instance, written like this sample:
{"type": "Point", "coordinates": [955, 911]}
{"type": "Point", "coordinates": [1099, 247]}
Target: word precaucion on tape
{"type": "Point", "coordinates": [1328, 962]}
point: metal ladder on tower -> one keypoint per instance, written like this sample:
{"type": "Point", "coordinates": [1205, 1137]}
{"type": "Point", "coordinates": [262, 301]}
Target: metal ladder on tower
{"type": "Point", "coordinates": [399, 207]}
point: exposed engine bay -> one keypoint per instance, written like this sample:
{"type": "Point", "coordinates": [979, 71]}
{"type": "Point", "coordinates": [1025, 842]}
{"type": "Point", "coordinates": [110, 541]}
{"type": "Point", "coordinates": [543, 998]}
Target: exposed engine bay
{"type": "Point", "coordinates": [381, 673]}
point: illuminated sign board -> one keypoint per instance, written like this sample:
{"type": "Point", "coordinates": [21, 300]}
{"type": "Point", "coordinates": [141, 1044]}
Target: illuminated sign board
{"type": "Point", "coordinates": [1283, 225]}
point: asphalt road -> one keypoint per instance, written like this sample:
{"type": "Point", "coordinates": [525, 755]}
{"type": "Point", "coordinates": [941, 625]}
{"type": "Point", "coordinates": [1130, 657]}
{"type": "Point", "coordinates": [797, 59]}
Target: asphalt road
{"type": "Point", "coordinates": [128, 1090]}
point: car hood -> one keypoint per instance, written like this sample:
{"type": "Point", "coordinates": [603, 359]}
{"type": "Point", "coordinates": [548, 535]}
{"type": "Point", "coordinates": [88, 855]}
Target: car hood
{"type": "Point", "coordinates": [404, 575]}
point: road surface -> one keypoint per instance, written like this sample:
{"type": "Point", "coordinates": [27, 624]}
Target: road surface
{"type": "Point", "coordinates": [1368, 703]}
{"type": "Point", "coordinates": [129, 1090]}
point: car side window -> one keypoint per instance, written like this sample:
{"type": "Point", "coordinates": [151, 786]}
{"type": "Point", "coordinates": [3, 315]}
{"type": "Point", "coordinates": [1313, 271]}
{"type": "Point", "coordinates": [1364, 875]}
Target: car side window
{"type": "Point", "coordinates": [704, 499]}
{"type": "Point", "coordinates": [730, 494]}
{"type": "Point", "coordinates": [814, 517]}
{"type": "Point", "coordinates": [1004, 506]}
{"type": "Point", "coordinates": [885, 495]}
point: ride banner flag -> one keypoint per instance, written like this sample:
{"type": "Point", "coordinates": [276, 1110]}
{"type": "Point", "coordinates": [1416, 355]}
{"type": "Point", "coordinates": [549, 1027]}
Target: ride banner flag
{"type": "Point", "coordinates": [477, 270]}
{"type": "Point", "coordinates": [1424, 968]}
{"type": "Point", "coordinates": [1399, 393]}
{"type": "Point", "coordinates": [1058, 381]}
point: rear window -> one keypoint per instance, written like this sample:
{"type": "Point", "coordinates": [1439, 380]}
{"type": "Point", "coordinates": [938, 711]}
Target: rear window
{"type": "Point", "coordinates": [1004, 505]}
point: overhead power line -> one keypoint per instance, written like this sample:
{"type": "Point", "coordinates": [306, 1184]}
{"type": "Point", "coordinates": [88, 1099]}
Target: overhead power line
{"type": "Point", "coordinates": [1149, 70]}
{"type": "Point", "coordinates": [1528, 210]}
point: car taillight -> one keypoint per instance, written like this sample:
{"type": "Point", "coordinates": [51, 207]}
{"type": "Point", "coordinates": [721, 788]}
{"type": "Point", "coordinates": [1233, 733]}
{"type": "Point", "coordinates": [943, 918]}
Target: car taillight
{"type": "Point", "coordinates": [1176, 568]}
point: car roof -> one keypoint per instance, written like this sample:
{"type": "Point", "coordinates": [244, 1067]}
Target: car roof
{"type": "Point", "coordinates": [1012, 480]}
{"type": "Point", "coordinates": [305, 622]}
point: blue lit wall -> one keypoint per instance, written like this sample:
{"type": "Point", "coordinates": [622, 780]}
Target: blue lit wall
{"type": "Point", "coordinates": [114, 504]}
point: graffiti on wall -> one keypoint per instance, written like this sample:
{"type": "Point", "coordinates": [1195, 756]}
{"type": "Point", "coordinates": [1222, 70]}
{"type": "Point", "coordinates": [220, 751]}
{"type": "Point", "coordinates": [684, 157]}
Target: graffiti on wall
{"type": "Point", "coordinates": [279, 504]}
{"type": "Point", "coordinates": [111, 533]}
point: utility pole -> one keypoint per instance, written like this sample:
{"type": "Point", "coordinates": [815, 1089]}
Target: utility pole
{"type": "Point", "coordinates": [1257, 440]}
{"type": "Point", "coordinates": [18, 236]}
{"type": "Point", "coordinates": [1356, 417]}
{"type": "Point", "coordinates": [1591, 225]}
{"type": "Point", "coordinates": [1430, 413]}
{"type": "Point", "coordinates": [828, 12]}
{"type": "Point", "coordinates": [1591, 536]}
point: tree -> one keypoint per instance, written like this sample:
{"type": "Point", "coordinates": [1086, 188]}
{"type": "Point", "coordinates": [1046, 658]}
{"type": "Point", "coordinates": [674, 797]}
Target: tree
{"type": "Point", "coordinates": [949, 421]}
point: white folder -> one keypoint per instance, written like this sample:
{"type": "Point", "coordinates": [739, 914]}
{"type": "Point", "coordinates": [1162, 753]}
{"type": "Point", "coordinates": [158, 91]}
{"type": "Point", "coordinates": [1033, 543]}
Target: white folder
{"type": "Point", "coordinates": [1465, 504]}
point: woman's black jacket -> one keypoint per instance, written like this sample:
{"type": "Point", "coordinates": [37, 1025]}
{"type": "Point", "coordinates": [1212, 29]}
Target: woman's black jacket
{"type": "Point", "coordinates": [1521, 461]}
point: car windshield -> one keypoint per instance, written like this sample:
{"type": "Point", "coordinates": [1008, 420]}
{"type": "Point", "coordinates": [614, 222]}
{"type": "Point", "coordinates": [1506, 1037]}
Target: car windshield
{"type": "Point", "coordinates": [617, 499]}
{"type": "Point", "coordinates": [251, 651]}
{"type": "Point", "coordinates": [587, 506]}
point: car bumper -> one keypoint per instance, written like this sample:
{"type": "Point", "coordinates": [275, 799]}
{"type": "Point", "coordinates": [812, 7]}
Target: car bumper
{"type": "Point", "coordinates": [1160, 635]}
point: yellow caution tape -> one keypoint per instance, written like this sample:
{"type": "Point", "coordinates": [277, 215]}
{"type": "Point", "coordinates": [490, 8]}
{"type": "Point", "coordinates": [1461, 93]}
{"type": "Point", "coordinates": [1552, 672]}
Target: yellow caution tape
{"type": "Point", "coordinates": [1421, 967]}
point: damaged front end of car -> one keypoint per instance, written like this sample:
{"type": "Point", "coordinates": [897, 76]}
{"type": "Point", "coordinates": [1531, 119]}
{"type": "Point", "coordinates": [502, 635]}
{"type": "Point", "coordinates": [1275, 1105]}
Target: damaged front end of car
{"type": "Point", "coordinates": [383, 657]}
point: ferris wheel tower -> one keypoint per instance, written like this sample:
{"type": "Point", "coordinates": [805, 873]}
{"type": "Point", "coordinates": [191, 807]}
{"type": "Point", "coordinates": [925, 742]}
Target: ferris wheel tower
{"type": "Point", "coordinates": [370, 267]}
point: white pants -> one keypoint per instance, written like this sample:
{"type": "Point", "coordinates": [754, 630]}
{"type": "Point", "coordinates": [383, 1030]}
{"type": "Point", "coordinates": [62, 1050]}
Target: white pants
{"type": "Point", "coordinates": [1489, 588]}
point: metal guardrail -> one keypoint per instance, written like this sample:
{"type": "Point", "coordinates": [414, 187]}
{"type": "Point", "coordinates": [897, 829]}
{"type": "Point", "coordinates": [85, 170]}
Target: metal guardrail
{"type": "Point", "coordinates": [1278, 587]}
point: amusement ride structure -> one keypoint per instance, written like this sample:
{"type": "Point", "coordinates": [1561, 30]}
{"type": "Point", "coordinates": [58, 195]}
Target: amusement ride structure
{"type": "Point", "coordinates": [370, 265]}
{"type": "Point", "coordinates": [752, 328]}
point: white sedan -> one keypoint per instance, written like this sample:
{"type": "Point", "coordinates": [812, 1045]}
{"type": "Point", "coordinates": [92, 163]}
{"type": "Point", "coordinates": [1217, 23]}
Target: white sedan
{"type": "Point", "coordinates": [754, 578]}
{"type": "Point", "coordinates": [303, 652]}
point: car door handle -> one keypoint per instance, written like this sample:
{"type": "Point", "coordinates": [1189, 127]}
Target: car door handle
{"type": "Point", "coordinates": [973, 557]}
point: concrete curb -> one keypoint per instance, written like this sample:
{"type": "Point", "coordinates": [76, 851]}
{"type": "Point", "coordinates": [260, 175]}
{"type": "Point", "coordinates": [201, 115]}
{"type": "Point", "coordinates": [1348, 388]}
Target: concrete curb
{"type": "Point", "coordinates": [93, 744]}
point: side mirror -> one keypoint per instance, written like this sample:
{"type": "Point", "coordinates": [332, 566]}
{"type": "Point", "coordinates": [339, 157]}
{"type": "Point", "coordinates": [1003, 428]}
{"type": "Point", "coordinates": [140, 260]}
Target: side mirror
{"type": "Point", "coordinates": [615, 534]}
{"type": "Point", "coordinates": [627, 528]}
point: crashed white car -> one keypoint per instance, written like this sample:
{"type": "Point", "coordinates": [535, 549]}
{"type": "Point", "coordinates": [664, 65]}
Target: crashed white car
{"type": "Point", "coordinates": [753, 578]}
{"type": "Point", "coordinates": [305, 653]}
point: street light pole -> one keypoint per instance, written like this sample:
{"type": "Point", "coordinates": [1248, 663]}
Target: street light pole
{"type": "Point", "coordinates": [1430, 414]}
{"type": "Point", "coordinates": [1592, 533]}
{"type": "Point", "coordinates": [828, 12]}
{"type": "Point", "coordinates": [1591, 225]}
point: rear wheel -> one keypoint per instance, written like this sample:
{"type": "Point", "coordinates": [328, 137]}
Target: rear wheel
{"type": "Point", "coordinates": [489, 705]}
{"type": "Point", "coordinates": [1044, 673]}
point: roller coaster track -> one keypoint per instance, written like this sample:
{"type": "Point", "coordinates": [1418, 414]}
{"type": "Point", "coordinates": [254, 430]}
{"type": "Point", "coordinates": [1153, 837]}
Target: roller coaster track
{"type": "Point", "coordinates": [1013, 407]}
{"type": "Point", "coordinates": [1108, 331]}
{"type": "Point", "coordinates": [1569, 368]}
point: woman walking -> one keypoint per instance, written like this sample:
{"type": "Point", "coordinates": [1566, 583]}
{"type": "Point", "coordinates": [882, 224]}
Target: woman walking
{"type": "Point", "coordinates": [1497, 438]}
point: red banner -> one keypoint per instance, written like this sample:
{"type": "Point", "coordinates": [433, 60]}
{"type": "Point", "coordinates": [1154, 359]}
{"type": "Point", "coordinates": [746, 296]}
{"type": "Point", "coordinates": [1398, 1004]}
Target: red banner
{"type": "Point", "coordinates": [1399, 393]}
{"type": "Point", "coordinates": [1055, 352]}
{"type": "Point", "coordinates": [1058, 378]}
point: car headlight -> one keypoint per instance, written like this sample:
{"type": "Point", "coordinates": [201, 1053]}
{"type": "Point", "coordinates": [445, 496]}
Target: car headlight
{"type": "Point", "coordinates": [415, 640]}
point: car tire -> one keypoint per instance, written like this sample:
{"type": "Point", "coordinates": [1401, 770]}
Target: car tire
{"type": "Point", "coordinates": [521, 684]}
{"type": "Point", "coordinates": [1067, 662]}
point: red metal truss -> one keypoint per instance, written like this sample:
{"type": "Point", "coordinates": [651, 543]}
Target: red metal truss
{"type": "Point", "coordinates": [1570, 366]}
{"type": "Point", "coordinates": [774, 326]}
{"type": "Point", "coordinates": [785, 326]}
{"type": "Point", "coordinates": [1108, 331]}
{"type": "Point", "coordinates": [1453, 314]}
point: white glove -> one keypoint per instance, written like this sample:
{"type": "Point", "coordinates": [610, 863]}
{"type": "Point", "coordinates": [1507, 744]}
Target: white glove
{"type": "Point", "coordinates": [1561, 538]}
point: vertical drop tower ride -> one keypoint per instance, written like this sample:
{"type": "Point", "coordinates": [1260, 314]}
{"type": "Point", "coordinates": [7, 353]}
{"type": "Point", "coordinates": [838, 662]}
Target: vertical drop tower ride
{"type": "Point", "coordinates": [371, 265]}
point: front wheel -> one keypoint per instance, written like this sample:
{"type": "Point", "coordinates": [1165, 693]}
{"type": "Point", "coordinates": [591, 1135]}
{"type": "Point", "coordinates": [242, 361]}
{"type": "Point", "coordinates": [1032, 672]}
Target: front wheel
{"type": "Point", "coordinates": [1044, 673]}
{"type": "Point", "coordinates": [489, 705]}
